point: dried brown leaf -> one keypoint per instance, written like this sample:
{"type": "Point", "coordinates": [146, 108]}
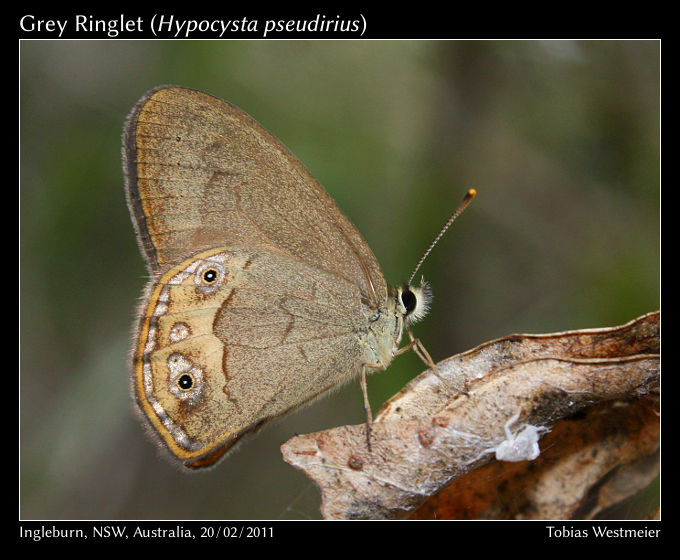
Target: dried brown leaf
{"type": "Point", "coordinates": [517, 388]}
{"type": "Point", "coordinates": [589, 462]}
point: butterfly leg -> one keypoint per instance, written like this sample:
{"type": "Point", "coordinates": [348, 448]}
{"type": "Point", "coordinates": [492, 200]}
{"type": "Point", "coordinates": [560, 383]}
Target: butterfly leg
{"type": "Point", "coordinates": [367, 406]}
{"type": "Point", "coordinates": [421, 352]}
{"type": "Point", "coordinates": [424, 355]}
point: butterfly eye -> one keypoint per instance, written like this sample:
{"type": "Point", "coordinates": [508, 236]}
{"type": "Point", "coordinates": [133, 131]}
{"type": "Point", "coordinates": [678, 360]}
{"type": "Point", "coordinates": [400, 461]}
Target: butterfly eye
{"type": "Point", "coordinates": [408, 299]}
{"type": "Point", "coordinates": [185, 382]}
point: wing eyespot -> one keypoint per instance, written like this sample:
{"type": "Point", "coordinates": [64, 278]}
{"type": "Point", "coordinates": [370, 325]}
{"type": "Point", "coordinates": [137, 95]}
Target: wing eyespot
{"type": "Point", "coordinates": [185, 378]}
{"type": "Point", "coordinates": [185, 382]}
{"type": "Point", "coordinates": [209, 276]}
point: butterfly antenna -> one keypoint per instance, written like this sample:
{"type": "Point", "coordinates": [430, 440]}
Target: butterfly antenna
{"type": "Point", "coordinates": [462, 206]}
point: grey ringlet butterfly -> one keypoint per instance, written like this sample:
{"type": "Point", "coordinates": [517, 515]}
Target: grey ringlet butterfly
{"type": "Point", "coordinates": [263, 295]}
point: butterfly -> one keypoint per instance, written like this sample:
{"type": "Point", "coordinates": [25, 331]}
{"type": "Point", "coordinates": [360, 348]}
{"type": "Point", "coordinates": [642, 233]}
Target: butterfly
{"type": "Point", "coordinates": [263, 295]}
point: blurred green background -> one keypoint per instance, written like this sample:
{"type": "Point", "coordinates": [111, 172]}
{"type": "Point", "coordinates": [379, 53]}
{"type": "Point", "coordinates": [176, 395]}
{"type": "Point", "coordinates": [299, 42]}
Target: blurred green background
{"type": "Point", "coordinates": [560, 138]}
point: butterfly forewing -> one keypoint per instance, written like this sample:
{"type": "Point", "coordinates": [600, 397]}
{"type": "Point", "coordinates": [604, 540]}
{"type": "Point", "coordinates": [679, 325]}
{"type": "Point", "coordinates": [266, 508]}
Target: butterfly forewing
{"type": "Point", "coordinates": [201, 174]}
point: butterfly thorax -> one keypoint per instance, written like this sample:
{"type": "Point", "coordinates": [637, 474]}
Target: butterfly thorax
{"type": "Point", "coordinates": [385, 327]}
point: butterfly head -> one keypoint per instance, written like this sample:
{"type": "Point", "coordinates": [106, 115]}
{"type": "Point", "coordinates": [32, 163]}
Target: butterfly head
{"type": "Point", "coordinates": [414, 301]}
